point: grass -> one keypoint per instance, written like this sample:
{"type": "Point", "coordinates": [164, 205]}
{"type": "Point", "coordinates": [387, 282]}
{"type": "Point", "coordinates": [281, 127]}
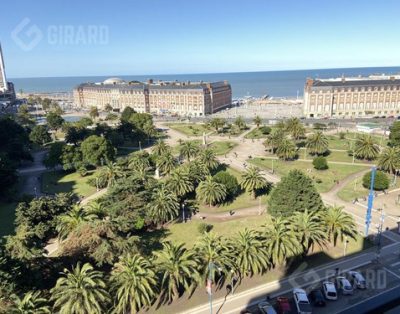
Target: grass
{"type": "Point", "coordinates": [326, 178]}
{"type": "Point", "coordinates": [256, 134]}
{"type": "Point", "coordinates": [222, 147]}
{"type": "Point", "coordinates": [340, 156]}
{"type": "Point", "coordinates": [7, 217]}
{"type": "Point", "coordinates": [60, 182]}
{"type": "Point", "coordinates": [189, 129]}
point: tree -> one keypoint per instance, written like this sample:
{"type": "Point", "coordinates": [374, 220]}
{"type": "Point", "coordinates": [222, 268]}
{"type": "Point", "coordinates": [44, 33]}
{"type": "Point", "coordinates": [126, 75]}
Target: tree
{"type": "Point", "coordinates": [257, 121]}
{"type": "Point", "coordinates": [294, 193]}
{"type": "Point", "coordinates": [84, 122]}
{"type": "Point", "coordinates": [97, 150]}
{"type": "Point", "coordinates": [23, 116]}
{"type": "Point", "coordinates": [240, 123]}
{"type": "Point", "coordinates": [253, 180]}
{"type": "Point", "coordinates": [217, 123]}
{"type": "Point", "coordinates": [229, 181]}
{"type": "Point", "coordinates": [40, 135]}
{"type": "Point", "coordinates": [134, 283]}
{"type": "Point", "coordinates": [320, 163]}
{"type": "Point", "coordinates": [161, 148]}
{"type": "Point", "coordinates": [179, 182]}
{"type": "Point", "coordinates": [366, 148]}
{"type": "Point", "coordinates": [273, 140]}
{"type": "Point", "coordinates": [389, 159]}
{"type": "Point", "coordinates": [394, 136]}
{"type": "Point", "coordinates": [210, 192]}
{"type": "Point", "coordinates": [8, 175]}
{"type": "Point", "coordinates": [94, 112]}
{"type": "Point", "coordinates": [110, 173]}
{"type": "Point", "coordinates": [31, 303]}
{"type": "Point", "coordinates": [108, 108]}
{"type": "Point", "coordinates": [71, 157]}
{"type": "Point", "coordinates": [80, 291]}
{"type": "Point", "coordinates": [317, 143]}
{"type": "Point", "coordinates": [188, 149]}
{"type": "Point", "coordinates": [71, 220]}
{"type": "Point", "coordinates": [54, 120]}
{"type": "Point", "coordinates": [14, 141]}
{"type": "Point", "coordinates": [166, 163]}
{"type": "Point", "coordinates": [381, 181]}
{"type": "Point", "coordinates": [295, 128]}
{"type": "Point", "coordinates": [75, 134]}
{"type": "Point", "coordinates": [53, 157]}
{"type": "Point", "coordinates": [339, 224]}
{"type": "Point", "coordinates": [208, 158]}
{"type": "Point", "coordinates": [178, 267]}
{"type": "Point", "coordinates": [164, 206]}
{"type": "Point", "coordinates": [126, 114]}
{"type": "Point", "coordinates": [286, 149]}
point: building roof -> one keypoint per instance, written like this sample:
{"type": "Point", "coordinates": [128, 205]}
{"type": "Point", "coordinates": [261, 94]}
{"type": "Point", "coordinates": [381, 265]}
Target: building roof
{"type": "Point", "coordinates": [357, 81]}
{"type": "Point", "coordinates": [113, 81]}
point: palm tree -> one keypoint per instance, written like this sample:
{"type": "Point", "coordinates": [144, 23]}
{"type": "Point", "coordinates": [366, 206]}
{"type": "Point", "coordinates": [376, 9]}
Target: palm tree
{"type": "Point", "coordinates": [210, 192]}
{"type": "Point", "coordinates": [253, 180]}
{"type": "Point", "coordinates": [197, 171]}
{"type": "Point", "coordinates": [366, 148]}
{"type": "Point", "coordinates": [286, 149]}
{"type": "Point", "coordinates": [208, 158]}
{"type": "Point", "coordinates": [96, 208]}
{"type": "Point", "coordinates": [281, 241]}
{"type": "Point", "coordinates": [80, 291]}
{"type": "Point", "coordinates": [309, 229]}
{"type": "Point", "coordinates": [188, 149]}
{"type": "Point", "coordinates": [389, 160]}
{"type": "Point", "coordinates": [317, 143]}
{"type": "Point", "coordinates": [272, 141]}
{"type": "Point", "coordinates": [31, 303]}
{"type": "Point", "coordinates": [161, 148]}
{"type": "Point", "coordinates": [164, 205]}
{"type": "Point", "coordinates": [71, 220]}
{"type": "Point", "coordinates": [251, 256]}
{"type": "Point", "coordinates": [134, 283]}
{"type": "Point", "coordinates": [178, 267]}
{"type": "Point", "coordinates": [217, 123]}
{"type": "Point", "coordinates": [137, 162]}
{"type": "Point", "coordinates": [339, 224]}
{"type": "Point", "coordinates": [179, 182]}
{"type": "Point", "coordinates": [110, 173]}
{"type": "Point", "coordinates": [240, 123]}
{"type": "Point", "coordinates": [257, 121]}
{"type": "Point", "coordinates": [295, 128]}
{"type": "Point", "coordinates": [166, 163]}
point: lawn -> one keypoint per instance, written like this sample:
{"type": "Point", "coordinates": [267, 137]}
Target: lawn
{"type": "Point", "coordinates": [340, 156]}
{"type": "Point", "coordinates": [222, 147]}
{"type": "Point", "coordinates": [7, 217]}
{"type": "Point", "coordinates": [190, 129]}
{"type": "Point", "coordinates": [324, 180]}
{"type": "Point", "coordinates": [336, 143]}
{"type": "Point", "coordinates": [59, 182]}
{"type": "Point", "coordinates": [256, 134]}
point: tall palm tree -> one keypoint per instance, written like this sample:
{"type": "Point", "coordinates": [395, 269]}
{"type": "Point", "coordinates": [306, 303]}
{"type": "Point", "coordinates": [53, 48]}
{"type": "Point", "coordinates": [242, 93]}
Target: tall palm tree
{"type": "Point", "coordinates": [134, 283]}
{"type": "Point", "coordinates": [80, 291]}
{"type": "Point", "coordinates": [188, 149]}
{"type": "Point", "coordinates": [166, 163]}
{"type": "Point", "coordinates": [240, 123]}
{"type": "Point", "coordinates": [210, 192]}
{"type": "Point", "coordinates": [317, 143]}
{"type": "Point", "coordinates": [179, 182]}
{"type": "Point", "coordinates": [31, 303]}
{"type": "Point", "coordinates": [253, 180]}
{"type": "Point", "coordinates": [251, 255]}
{"type": "Point", "coordinates": [208, 158]}
{"type": "Point", "coordinates": [389, 160]}
{"type": "Point", "coordinates": [161, 148]}
{"type": "Point", "coordinates": [295, 128]}
{"type": "Point", "coordinates": [272, 141]}
{"type": "Point", "coordinates": [339, 224]}
{"type": "Point", "coordinates": [96, 208]}
{"type": "Point", "coordinates": [281, 241]}
{"type": "Point", "coordinates": [164, 205]}
{"type": "Point", "coordinates": [217, 123]}
{"type": "Point", "coordinates": [197, 171]}
{"type": "Point", "coordinates": [257, 121]}
{"type": "Point", "coordinates": [366, 148]}
{"type": "Point", "coordinates": [138, 162]}
{"type": "Point", "coordinates": [178, 268]}
{"type": "Point", "coordinates": [286, 149]}
{"type": "Point", "coordinates": [71, 220]}
{"type": "Point", "coordinates": [110, 173]}
{"type": "Point", "coordinates": [309, 229]}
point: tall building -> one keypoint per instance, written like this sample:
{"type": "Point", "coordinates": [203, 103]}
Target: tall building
{"type": "Point", "coordinates": [182, 98]}
{"type": "Point", "coordinates": [7, 94]}
{"type": "Point", "coordinates": [3, 79]}
{"type": "Point", "coordinates": [352, 97]}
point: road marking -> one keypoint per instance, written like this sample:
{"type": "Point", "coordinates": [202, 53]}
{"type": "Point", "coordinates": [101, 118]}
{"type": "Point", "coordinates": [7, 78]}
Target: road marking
{"type": "Point", "coordinates": [393, 273]}
{"type": "Point", "coordinates": [395, 264]}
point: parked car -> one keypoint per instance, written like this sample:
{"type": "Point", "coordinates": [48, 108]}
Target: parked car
{"type": "Point", "coordinates": [283, 305]}
{"type": "Point", "coordinates": [302, 303]}
{"type": "Point", "coordinates": [317, 298]}
{"type": "Point", "coordinates": [344, 286]}
{"type": "Point", "coordinates": [266, 308]}
{"type": "Point", "coordinates": [357, 280]}
{"type": "Point", "coordinates": [329, 289]}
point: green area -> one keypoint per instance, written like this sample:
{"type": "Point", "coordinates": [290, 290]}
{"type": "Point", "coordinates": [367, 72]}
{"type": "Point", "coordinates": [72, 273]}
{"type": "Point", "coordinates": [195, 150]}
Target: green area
{"type": "Point", "coordinates": [189, 129]}
{"type": "Point", "coordinates": [59, 182]}
{"type": "Point", "coordinates": [222, 147]}
{"type": "Point", "coordinates": [256, 134]}
{"type": "Point", "coordinates": [7, 217]}
{"type": "Point", "coordinates": [324, 180]}
{"type": "Point", "coordinates": [339, 156]}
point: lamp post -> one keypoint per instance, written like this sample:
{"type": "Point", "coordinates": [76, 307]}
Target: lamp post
{"type": "Point", "coordinates": [370, 201]}
{"type": "Point", "coordinates": [211, 267]}
{"type": "Point", "coordinates": [183, 212]}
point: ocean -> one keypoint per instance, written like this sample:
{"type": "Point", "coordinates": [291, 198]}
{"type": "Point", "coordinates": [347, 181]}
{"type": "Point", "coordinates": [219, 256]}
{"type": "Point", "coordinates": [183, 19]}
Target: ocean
{"type": "Point", "coordinates": [256, 84]}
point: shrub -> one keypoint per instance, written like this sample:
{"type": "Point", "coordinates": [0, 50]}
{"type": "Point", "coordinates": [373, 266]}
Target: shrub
{"type": "Point", "coordinates": [229, 181]}
{"type": "Point", "coordinates": [320, 163]}
{"type": "Point", "coordinates": [204, 227]}
{"type": "Point", "coordinates": [342, 135]}
{"type": "Point", "coordinates": [83, 171]}
{"type": "Point", "coordinates": [265, 130]}
{"type": "Point", "coordinates": [381, 181]}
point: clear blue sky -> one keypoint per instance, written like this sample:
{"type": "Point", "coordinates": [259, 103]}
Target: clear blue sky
{"type": "Point", "coordinates": [184, 36]}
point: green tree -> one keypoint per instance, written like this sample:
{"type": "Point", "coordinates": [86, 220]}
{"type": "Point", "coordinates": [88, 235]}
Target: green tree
{"type": "Point", "coordinates": [54, 121]}
{"type": "Point", "coordinates": [108, 108]}
{"type": "Point", "coordinates": [179, 182]}
{"type": "Point", "coordinates": [24, 118]}
{"type": "Point", "coordinates": [389, 159]}
{"type": "Point", "coordinates": [253, 180]}
{"type": "Point", "coordinates": [53, 157]}
{"type": "Point", "coordinates": [71, 220]}
{"type": "Point", "coordinates": [317, 143]}
{"type": "Point", "coordinates": [274, 139]}
{"type": "Point", "coordinates": [240, 123]}
{"type": "Point", "coordinates": [189, 149]}
{"type": "Point", "coordinates": [71, 157]}
{"type": "Point", "coordinates": [229, 181]}
{"type": "Point", "coordinates": [366, 148]}
{"type": "Point", "coordinates": [94, 112]}
{"type": "Point", "coordinates": [210, 192]}
{"type": "Point", "coordinates": [381, 181]}
{"type": "Point", "coordinates": [110, 173]}
{"type": "Point", "coordinates": [294, 193]}
{"type": "Point", "coordinates": [217, 123]}
{"type": "Point", "coordinates": [126, 114]}
{"type": "Point", "coordinates": [134, 283]}
{"type": "Point", "coordinates": [178, 267]}
{"type": "Point", "coordinates": [31, 303]}
{"type": "Point", "coordinates": [257, 121]}
{"type": "Point", "coordinates": [295, 128]}
{"type": "Point", "coordinates": [286, 149]}
{"type": "Point", "coordinates": [166, 163]}
{"type": "Point", "coordinates": [97, 150]}
{"type": "Point", "coordinates": [80, 291]}
{"type": "Point", "coordinates": [339, 224]}
{"type": "Point", "coordinates": [208, 158]}
{"type": "Point", "coordinates": [394, 136]}
{"type": "Point", "coordinates": [40, 135]}
{"type": "Point", "coordinates": [8, 176]}
{"type": "Point", "coordinates": [161, 148]}
{"type": "Point", "coordinates": [320, 163]}
{"type": "Point", "coordinates": [164, 205]}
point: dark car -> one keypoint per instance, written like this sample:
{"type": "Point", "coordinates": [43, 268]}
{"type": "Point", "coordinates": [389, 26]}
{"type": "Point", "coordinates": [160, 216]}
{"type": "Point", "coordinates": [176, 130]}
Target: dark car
{"type": "Point", "coordinates": [317, 298]}
{"type": "Point", "coordinates": [283, 305]}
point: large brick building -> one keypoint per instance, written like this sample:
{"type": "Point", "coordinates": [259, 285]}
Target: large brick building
{"type": "Point", "coordinates": [183, 98]}
{"type": "Point", "coordinates": [352, 97]}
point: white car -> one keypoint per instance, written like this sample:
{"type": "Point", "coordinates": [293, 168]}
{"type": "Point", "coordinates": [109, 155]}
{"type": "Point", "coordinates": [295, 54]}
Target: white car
{"type": "Point", "coordinates": [344, 285]}
{"type": "Point", "coordinates": [357, 279]}
{"type": "Point", "coordinates": [266, 308]}
{"type": "Point", "coordinates": [302, 303]}
{"type": "Point", "coordinates": [329, 289]}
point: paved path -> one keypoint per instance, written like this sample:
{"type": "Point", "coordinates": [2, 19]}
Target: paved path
{"type": "Point", "coordinates": [31, 175]}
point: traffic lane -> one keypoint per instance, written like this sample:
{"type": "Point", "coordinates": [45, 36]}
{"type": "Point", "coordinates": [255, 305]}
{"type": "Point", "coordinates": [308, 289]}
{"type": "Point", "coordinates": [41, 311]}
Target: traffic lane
{"type": "Point", "coordinates": [378, 277]}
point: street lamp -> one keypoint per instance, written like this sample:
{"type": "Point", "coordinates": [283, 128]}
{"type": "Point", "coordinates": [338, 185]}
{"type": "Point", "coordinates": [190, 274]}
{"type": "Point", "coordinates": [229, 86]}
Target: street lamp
{"type": "Point", "coordinates": [183, 212]}
{"type": "Point", "coordinates": [211, 267]}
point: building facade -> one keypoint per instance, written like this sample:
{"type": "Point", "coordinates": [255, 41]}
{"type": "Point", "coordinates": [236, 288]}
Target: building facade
{"type": "Point", "coordinates": [7, 93]}
{"type": "Point", "coordinates": [352, 97]}
{"type": "Point", "coordinates": [182, 98]}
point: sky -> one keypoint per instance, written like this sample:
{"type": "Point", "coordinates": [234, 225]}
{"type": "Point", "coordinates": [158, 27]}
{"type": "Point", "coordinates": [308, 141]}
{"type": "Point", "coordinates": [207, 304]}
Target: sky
{"type": "Point", "coordinates": [130, 37]}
